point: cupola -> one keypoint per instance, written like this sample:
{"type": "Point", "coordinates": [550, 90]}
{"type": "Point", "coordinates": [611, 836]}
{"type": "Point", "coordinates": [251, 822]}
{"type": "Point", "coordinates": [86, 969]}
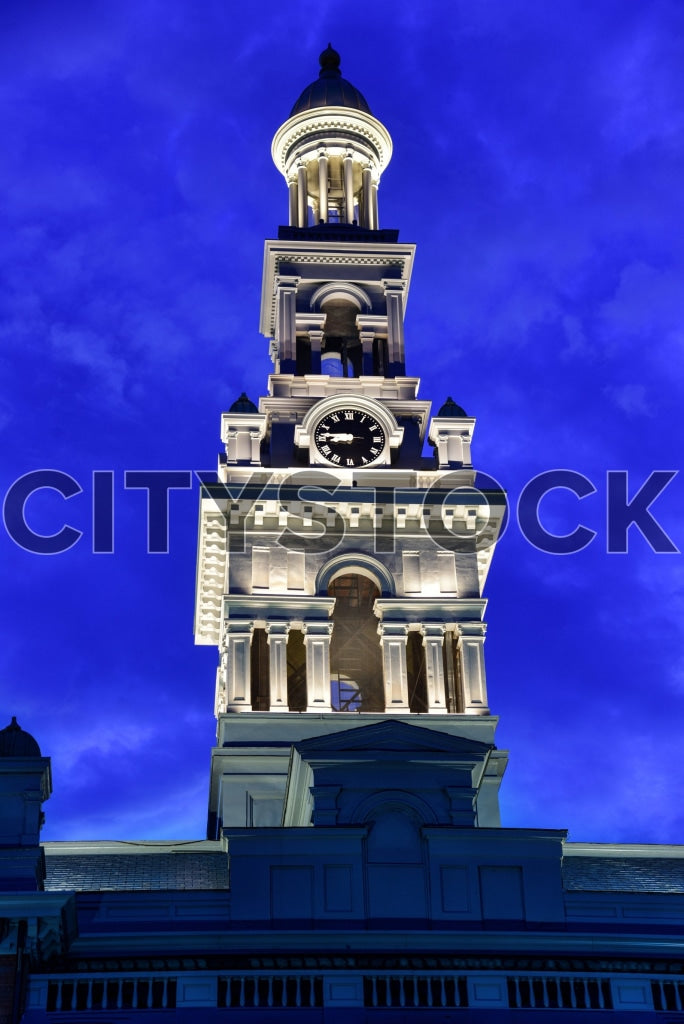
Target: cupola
{"type": "Point", "coordinates": [332, 151]}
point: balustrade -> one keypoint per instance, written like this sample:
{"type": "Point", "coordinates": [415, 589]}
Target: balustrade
{"type": "Point", "coordinates": [303, 990]}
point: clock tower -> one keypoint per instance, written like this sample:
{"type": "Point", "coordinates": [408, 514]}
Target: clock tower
{"type": "Point", "coordinates": [340, 567]}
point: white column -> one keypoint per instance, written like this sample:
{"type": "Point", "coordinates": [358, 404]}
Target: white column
{"type": "Point", "coordinates": [393, 640]}
{"type": "Point", "coordinates": [294, 202]}
{"type": "Point", "coordinates": [349, 188]}
{"type": "Point", "coordinates": [302, 197]}
{"type": "Point", "coordinates": [366, 338]}
{"type": "Point", "coordinates": [433, 642]}
{"type": "Point", "coordinates": [394, 292]}
{"type": "Point", "coordinates": [374, 205]}
{"type": "Point", "coordinates": [317, 643]}
{"type": "Point", "coordinates": [471, 650]}
{"type": "Point", "coordinates": [323, 186]}
{"type": "Point", "coordinates": [367, 199]}
{"type": "Point", "coordinates": [277, 664]}
{"type": "Point", "coordinates": [237, 661]}
{"type": "Point", "coordinates": [316, 341]}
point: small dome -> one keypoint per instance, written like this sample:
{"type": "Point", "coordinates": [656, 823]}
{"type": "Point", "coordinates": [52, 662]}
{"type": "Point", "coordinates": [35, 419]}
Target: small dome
{"type": "Point", "coordinates": [330, 89]}
{"type": "Point", "coordinates": [243, 404]}
{"type": "Point", "coordinates": [451, 411]}
{"type": "Point", "coordinates": [14, 742]}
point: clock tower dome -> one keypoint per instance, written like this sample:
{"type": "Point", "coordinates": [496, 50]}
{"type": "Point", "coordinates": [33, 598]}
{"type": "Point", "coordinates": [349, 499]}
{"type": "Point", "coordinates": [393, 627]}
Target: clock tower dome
{"type": "Point", "coordinates": [340, 568]}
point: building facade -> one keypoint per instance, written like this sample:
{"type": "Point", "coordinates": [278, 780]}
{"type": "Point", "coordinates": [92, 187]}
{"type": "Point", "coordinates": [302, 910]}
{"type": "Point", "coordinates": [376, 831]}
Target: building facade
{"type": "Point", "coordinates": [355, 867]}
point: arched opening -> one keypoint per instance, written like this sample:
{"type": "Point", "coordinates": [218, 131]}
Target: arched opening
{"type": "Point", "coordinates": [355, 656]}
{"type": "Point", "coordinates": [342, 336]}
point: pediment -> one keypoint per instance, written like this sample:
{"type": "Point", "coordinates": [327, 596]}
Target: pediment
{"type": "Point", "coordinates": [391, 735]}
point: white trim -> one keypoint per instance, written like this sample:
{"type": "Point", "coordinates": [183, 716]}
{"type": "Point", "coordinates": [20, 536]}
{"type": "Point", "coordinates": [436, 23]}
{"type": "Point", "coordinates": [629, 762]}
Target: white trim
{"type": "Point", "coordinates": [341, 290]}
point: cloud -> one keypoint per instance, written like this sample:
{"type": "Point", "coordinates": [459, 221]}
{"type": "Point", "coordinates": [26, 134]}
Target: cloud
{"type": "Point", "coordinates": [92, 353]}
{"type": "Point", "coordinates": [630, 398]}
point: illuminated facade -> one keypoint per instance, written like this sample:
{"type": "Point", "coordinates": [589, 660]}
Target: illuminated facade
{"type": "Point", "coordinates": [355, 867]}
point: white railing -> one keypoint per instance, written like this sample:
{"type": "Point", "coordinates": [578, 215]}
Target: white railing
{"type": "Point", "coordinates": [111, 992]}
{"type": "Point", "coordinates": [562, 992]}
{"type": "Point", "coordinates": [412, 990]}
{"type": "Point", "coordinates": [668, 994]}
{"type": "Point", "coordinates": [304, 990]}
{"type": "Point", "coordinates": [280, 990]}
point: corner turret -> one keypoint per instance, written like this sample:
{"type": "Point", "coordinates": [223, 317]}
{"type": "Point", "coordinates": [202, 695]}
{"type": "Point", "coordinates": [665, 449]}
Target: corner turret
{"type": "Point", "coordinates": [25, 783]}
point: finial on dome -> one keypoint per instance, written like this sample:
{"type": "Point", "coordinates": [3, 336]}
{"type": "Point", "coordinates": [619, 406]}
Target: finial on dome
{"type": "Point", "coordinates": [330, 63]}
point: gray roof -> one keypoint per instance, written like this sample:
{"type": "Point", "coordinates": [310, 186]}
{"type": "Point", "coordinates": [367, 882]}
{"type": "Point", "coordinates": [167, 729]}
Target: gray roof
{"type": "Point", "coordinates": [623, 874]}
{"type": "Point", "coordinates": [203, 865]}
{"type": "Point", "coordinates": [92, 872]}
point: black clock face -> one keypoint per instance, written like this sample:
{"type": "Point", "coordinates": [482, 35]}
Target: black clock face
{"type": "Point", "coordinates": [349, 438]}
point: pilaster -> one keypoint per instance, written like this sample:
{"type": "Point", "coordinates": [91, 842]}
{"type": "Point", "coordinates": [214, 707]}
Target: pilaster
{"type": "Point", "coordinates": [393, 636]}
{"type": "Point", "coordinates": [433, 642]}
{"type": "Point", "coordinates": [237, 660]}
{"type": "Point", "coordinates": [471, 651]}
{"type": "Point", "coordinates": [317, 644]}
{"type": "Point", "coordinates": [286, 323]}
{"type": "Point", "coordinates": [277, 633]}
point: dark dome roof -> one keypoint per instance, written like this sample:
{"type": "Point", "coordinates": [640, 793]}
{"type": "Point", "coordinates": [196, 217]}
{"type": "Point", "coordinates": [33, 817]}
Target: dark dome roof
{"type": "Point", "coordinates": [451, 410]}
{"type": "Point", "coordinates": [243, 404]}
{"type": "Point", "coordinates": [330, 89]}
{"type": "Point", "coordinates": [14, 742]}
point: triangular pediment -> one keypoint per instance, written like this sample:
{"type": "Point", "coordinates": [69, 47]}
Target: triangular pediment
{"type": "Point", "coordinates": [391, 735]}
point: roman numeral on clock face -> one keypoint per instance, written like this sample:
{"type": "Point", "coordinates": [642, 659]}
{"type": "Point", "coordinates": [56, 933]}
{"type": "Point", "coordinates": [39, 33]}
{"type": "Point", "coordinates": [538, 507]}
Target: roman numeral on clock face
{"type": "Point", "coordinates": [349, 437]}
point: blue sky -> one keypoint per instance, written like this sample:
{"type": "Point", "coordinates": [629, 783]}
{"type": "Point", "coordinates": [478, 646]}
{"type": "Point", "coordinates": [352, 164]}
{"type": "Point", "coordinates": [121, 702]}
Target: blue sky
{"type": "Point", "coordinates": [538, 165]}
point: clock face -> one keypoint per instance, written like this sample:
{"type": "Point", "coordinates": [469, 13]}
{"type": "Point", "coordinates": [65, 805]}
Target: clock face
{"type": "Point", "coordinates": [349, 438]}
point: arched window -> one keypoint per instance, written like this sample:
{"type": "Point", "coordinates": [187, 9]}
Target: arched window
{"type": "Point", "coordinates": [342, 334]}
{"type": "Point", "coordinates": [355, 657]}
